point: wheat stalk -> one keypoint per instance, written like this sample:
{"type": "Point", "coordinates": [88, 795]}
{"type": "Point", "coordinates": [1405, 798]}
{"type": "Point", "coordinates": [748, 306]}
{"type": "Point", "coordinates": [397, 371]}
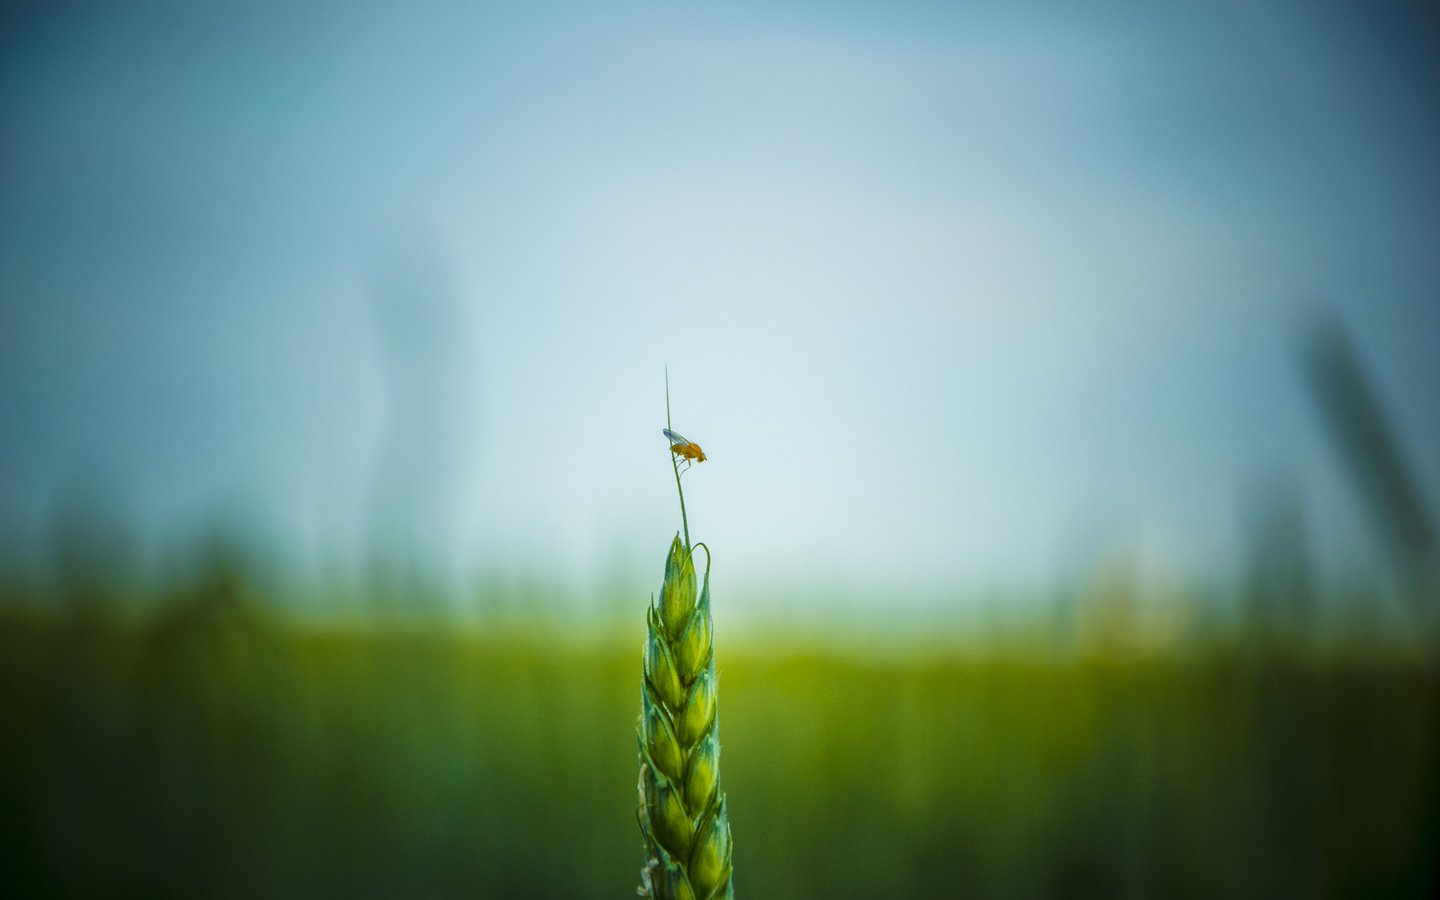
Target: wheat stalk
{"type": "Point", "coordinates": [682, 808]}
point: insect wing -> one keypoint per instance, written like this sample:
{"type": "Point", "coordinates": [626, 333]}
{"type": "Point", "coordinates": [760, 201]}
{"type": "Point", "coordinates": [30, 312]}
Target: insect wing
{"type": "Point", "coordinates": [676, 440]}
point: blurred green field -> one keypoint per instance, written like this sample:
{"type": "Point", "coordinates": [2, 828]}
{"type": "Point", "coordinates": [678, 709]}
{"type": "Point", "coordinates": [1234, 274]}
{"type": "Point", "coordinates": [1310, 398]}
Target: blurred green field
{"type": "Point", "coordinates": [217, 752]}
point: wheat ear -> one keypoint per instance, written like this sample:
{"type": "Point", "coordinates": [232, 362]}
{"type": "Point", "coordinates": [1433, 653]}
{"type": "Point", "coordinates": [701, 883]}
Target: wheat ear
{"type": "Point", "coordinates": [682, 808]}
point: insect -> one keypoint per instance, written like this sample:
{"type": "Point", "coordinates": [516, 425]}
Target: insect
{"type": "Point", "coordinates": [684, 448]}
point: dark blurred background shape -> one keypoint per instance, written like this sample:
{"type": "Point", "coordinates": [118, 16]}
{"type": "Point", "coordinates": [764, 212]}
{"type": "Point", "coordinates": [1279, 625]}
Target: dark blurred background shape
{"type": "Point", "coordinates": [1384, 479]}
{"type": "Point", "coordinates": [95, 563]}
{"type": "Point", "coordinates": [427, 454]}
{"type": "Point", "coordinates": [1279, 588]}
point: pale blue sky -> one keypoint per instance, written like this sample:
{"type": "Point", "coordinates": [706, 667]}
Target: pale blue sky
{"type": "Point", "coordinates": [951, 299]}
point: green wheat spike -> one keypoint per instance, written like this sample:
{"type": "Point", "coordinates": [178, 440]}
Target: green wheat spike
{"type": "Point", "coordinates": [683, 815]}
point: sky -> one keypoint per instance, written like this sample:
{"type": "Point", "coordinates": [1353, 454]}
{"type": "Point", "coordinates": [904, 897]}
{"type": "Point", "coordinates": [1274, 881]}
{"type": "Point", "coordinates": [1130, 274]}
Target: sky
{"type": "Point", "coordinates": [953, 299]}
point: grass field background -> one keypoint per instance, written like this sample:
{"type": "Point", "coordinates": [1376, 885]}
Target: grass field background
{"type": "Point", "coordinates": [216, 749]}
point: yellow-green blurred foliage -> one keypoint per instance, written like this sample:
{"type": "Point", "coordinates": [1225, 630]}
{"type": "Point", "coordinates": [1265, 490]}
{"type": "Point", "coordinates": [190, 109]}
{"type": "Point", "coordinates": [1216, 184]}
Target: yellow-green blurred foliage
{"type": "Point", "coordinates": [215, 751]}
